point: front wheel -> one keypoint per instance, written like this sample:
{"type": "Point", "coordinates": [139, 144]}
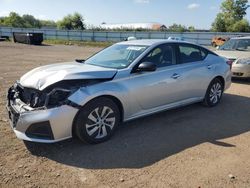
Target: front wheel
{"type": "Point", "coordinates": [97, 121]}
{"type": "Point", "coordinates": [214, 93]}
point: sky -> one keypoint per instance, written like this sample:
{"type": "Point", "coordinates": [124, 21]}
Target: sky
{"type": "Point", "coordinates": [197, 13]}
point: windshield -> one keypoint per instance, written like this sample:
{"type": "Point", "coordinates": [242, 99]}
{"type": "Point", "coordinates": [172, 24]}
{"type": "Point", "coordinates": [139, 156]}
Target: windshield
{"type": "Point", "coordinates": [236, 44]}
{"type": "Point", "coordinates": [118, 56]}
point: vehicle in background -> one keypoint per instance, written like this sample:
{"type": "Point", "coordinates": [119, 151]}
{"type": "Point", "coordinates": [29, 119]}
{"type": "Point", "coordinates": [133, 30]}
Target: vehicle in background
{"type": "Point", "coordinates": [237, 51]}
{"type": "Point", "coordinates": [125, 81]}
{"type": "Point", "coordinates": [130, 38]}
{"type": "Point", "coordinates": [4, 38]}
{"type": "Point", "coordinates": [218, 41]}
{"type": "Point", "coordinates": [176, 38]}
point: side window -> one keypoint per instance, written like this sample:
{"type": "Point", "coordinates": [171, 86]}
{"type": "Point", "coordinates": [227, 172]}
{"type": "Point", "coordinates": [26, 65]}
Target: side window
{"type": "Point", "coordinates": [155, 52]}
{"type": "Point", "coordinates": [189, 53]}
{"type": "Point", "coordinates": [162, 56]}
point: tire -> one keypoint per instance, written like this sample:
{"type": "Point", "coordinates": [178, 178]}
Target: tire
{"type": "Point", "coordinates": [214, 93]}
{"type": "Point", "coordinates": [97, 120]}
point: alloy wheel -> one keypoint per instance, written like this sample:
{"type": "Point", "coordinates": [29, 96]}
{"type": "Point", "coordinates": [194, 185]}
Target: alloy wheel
{"type": "Point", "coordinates": [100, 122]}
{"type": "Point", "coordinates": [215, 93]}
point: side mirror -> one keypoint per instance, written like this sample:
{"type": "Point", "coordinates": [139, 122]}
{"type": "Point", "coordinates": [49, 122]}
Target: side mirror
{"type": "Point", "coordinates": [80, 60]}
{"type": "Point", "coordinates": [147, 66]}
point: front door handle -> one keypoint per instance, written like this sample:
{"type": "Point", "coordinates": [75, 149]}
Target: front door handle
{"type": "Point", "coordinates": [175, 76]}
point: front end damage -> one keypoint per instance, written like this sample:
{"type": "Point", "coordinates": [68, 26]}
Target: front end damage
{"type": "Point", "coordinates": [39, 106]}
{"type": "Point", "coordinates": [44, 116]}
{"type": "Point", "coordinates": [41, 116]}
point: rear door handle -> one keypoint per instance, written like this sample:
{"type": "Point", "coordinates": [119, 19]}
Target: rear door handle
{"type": "Point", "coordinates": [209, 66]}
{"type": "Point", "coordinates": [175, 76]}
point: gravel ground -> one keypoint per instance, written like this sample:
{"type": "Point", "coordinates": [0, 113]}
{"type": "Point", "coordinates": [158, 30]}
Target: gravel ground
{"type": "Point", "coordinates": [193, 146]}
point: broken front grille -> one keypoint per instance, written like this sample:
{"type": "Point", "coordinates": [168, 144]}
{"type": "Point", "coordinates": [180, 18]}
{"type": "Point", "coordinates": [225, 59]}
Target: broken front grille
{"type": "Point", "coordinates": [32, 97]}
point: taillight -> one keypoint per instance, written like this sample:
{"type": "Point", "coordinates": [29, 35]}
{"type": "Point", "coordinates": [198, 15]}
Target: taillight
{"type": "Point", "coordinates": [230, 63]}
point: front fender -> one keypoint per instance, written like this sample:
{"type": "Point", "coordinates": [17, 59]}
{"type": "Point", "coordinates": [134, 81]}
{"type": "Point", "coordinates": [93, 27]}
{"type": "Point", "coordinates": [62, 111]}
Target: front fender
{"type": "Point", "coordinates": [85, 94]}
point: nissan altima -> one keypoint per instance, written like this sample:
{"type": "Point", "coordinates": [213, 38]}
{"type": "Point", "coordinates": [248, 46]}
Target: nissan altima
{"type": "Point", "coordinates": [90, 98]}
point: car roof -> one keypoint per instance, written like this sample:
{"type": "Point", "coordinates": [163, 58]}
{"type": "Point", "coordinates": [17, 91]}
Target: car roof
{"type": "Point", "coordinates": [150, 42]}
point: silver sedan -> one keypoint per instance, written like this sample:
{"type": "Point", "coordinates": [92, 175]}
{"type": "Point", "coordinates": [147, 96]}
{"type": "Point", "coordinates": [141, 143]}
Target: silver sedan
{"type": "Point", "coordinates": [90, 98]}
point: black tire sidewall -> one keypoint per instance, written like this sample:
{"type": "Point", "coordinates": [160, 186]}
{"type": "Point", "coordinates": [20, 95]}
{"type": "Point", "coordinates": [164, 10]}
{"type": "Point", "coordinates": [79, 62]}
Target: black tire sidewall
{"type": "Point", "coordinates": [82, 116]}
{"type": "Point", "coordinates": [207, 101]}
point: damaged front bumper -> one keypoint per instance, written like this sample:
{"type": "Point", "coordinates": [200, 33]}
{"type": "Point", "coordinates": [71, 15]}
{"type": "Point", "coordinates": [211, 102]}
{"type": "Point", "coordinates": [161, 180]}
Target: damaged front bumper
{"type": "Point", "coordinates": [40, 124]}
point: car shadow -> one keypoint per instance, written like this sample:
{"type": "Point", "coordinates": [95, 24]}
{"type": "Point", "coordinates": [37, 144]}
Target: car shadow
{"type": "Point", "coordinates": [245, 81]}
{"type": "Point", "coordinates": [145, 141]}
{"type": "Point", "coordinates": [44, 44]}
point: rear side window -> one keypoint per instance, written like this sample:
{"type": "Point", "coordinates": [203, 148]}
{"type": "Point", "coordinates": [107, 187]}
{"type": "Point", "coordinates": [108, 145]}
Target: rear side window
{"type": "Point", "coordinates": [190, 53]}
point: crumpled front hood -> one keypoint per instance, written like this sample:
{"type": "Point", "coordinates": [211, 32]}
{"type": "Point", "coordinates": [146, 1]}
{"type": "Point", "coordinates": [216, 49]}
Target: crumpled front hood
{"type": "Point", "coordinates": [42, 77]}
{"type": "Point", "coordinates": [230, 54]}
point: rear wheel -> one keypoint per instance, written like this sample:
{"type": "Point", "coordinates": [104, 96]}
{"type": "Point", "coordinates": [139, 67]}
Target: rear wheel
{"type": "Point", "coordinates": [97, 121]}
{"type": "Point", "coordinates": [214, 93]}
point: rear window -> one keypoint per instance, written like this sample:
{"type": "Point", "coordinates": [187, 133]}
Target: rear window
{"type": "Point", "coordinates": [190, 53]}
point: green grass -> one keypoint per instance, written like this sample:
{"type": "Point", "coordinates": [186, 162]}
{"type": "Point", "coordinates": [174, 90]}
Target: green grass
{"type": "Point", "coordinates": [78, 43]}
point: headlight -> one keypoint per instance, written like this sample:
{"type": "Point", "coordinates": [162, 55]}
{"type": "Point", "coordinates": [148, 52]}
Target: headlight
{"type": "Point", "coordinates": [57, 96]}
{"type": "Point", "coordinates": [245, 61]}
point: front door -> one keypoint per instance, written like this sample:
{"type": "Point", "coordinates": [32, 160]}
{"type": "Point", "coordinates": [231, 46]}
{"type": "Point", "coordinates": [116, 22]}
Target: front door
{"type": "Point", "coordinates": [158, 88]}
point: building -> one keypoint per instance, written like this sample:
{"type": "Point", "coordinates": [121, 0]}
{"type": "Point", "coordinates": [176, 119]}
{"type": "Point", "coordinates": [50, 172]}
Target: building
{"type": "Point", "coordinates": [133, 26]}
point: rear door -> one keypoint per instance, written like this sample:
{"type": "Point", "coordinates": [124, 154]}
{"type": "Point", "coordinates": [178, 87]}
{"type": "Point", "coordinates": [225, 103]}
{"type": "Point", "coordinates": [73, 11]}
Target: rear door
{"type": "Point", "coordinates": [195, 73]}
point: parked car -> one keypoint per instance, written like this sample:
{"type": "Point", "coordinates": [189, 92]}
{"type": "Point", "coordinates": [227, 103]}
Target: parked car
{"type": "Point", "coordinates": [237, 50]}
{"type": "Point", "coordinates": [130, 38]}
{"type": "Point", "coordinates": [176, 38]}
{"type": "Point", "coordinates": [218, 41]}
{"type": "Point", "coordinates": [126, 81]}
{"type": "Point", "coordinates": [4, 38]}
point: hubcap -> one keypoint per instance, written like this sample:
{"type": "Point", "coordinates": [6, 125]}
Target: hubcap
{"type": "Point", "coordinates": [215, 93]}
{"type": "Point", "coordinates": [100, 122]}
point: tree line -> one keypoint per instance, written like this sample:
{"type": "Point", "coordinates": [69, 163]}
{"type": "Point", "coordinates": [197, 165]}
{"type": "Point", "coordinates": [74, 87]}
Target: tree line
{"type": "Point", "coordinates": [71, 21]}
{"type": "Point", "coordinates": [231, 18]}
